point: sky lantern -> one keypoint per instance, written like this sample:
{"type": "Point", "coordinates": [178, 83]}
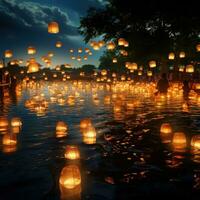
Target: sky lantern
{"type": "Point", "coordinates": [70, 177]}
{"type": "Point", "coordinates": [101, 43]}
{"type": "Point", "coordinates": [1, 65]}
{"type": "Point", "coordinates": [79, 58]}
{"type": "Point", "coordinates": [110, 45]}
{"type": "Point", "coordinates": [31, 50]}
{"type": "Point", "coordinates": [9, 139]}
{"type": "Point", "coordinates": [149, 73]}
{"type": "Point", "coordinates": [171, 56]}
{"type": "Point", "coordinates": [73, 57]}
{"type": "Point", "coordinates": [33, 66]}
{"type": "Point", "coordinates": [121, 41]}
{"type": "Point", "coordinates": [71, 50]}
{"type": "Point", "coordinates": [179, 141]}
{"type": "Point", "coordinates": [195, 142]}
{"type": "Point", "coordinates": [61, 126]}
{"type": "Point", "coordinates": [198, 47]}
{"type": "Point", "coordinates": [16, 122]}
{"type": "Point", "coordinates": [92, 43]}
{"type": "Point", "coordinates": [134, 66]}
{"type": "Point", "coordinates": [166, 133]}
{"type": "Point", "coordinates": [50, 54]}
{"type": "Point", "coordinates": [181, 68]}
{"type": "Point", "coordinates": [103, 72]}
{"type": "Point", "coordinates": [152, 63]}
{"type": "Point", "coordinates": [182, 54]}
{"type": "Point", "coordinates": [72, 152]}
{"type": "Point", "coordinates": [58, 44]}
{"type": "Point", "coordinates": [8, 53]}
{"type": "Point", "coordinates": [53, 28]}
{"type": "Point", "coordinates": [189, 68]}
{"type": "Point", "coordinates": [80, 50]}
{"type": "Point", "coordinates": [87, 50]}
{"type": "Point", "coordinates": [90, 53]}
{"type": "Point", "coordinates": [139, 73]}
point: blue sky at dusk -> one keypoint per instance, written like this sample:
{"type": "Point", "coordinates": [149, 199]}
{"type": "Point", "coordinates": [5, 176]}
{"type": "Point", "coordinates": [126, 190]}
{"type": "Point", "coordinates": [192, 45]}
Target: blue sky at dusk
{"type": "Point", "coordinates": [24, 23]}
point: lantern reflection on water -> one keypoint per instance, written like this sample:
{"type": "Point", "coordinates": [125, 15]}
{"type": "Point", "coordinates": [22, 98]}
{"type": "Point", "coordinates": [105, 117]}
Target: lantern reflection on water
{"type": "Point", "coordinates": [72, 152]}
{"type": "Point", "coordinates": [89, 135]}
{"type": "Point", "coordinates": [3, 124]}
{"type": "Point", "coordinates": [179, 142]}
{"type": "Point", "coordinates": [166, 133]}
{"type": "Point", "coordinates": [61, 129]}
{"type": "Point", "coordinates": [70, 177]}
{"type": "Point", "coordinates": [16, 122]}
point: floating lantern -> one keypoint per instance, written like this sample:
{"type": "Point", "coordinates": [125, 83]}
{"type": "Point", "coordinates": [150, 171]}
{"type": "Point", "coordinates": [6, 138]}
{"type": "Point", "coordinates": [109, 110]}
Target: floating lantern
{"type": "Point", "coordinates": [85, 123]}
{"type": "Point", "coordinates": [110, 45]}
{"type": "Point", "coordinates": [61, 126]}
{"type": "Point", "coordinates": [85, 58]}
{"type": "Point", "coordinates": [134, 66]}
{"type": "Point", "coordinates": [89, 135]}
{"type": "Point", "coordinates": [139, 73]}
{"type": "Point", "coordinates": [182, 54]}
{"type": "Point", "coordinates": [31, 50]}
{"type": "Point", "coordinates": [126, 44]}
{"type": "Point", "coordinates": [103, 72]}
{"type": "Point", "coordinates": [79, 58]}
{"type": "Point", "coordinates": [90, 53]}
{"type": "Point", "coordinates": [71, 50]}
{"type": "Point", "coordinates": [166, 128]}
{"type": "Point", "coordinates": [179, 141]}
{"type": "Point", "coordinates": [198, 47]}
{"type": "Point", "coordinates": [3, 124]}
{"type": "Point", "coordinates": [72, 152]}
{"type": "Point", "coordinates": [8, 54]}
{"type": "Point", "coordinates": [114, 60]}
{"type": "Point", "coordinates": [58, 44]}
{"type": "Point", "coordinates": [121, 41]}
{"type": "Point", "coordinates": [87, 50]}
{"type": "Point", "coordinates": [33, 67]}
{"type": "Point", "coordinates": [152, 63]}
{"type": "Point", "coordinates": [16, 122]}
{"type": "Point", "coordinates": [53, 27]}
{"type": "Point", "coordinates": [195, 142]}
{"type": "Point", "coordinates": [96, 46]}
{"type": "Point", "coordinates": [149, 73]}
{"type": "Point", "coordinates": [123, 78]}
{"type": "Point", "coordinates": [9, 139]}
{"type": "Point", "coordinates": [189, 68]}
{"type": "Point", "coordinates": [70, 177]}
{"type": "Point", "coordinates": [171, 56]}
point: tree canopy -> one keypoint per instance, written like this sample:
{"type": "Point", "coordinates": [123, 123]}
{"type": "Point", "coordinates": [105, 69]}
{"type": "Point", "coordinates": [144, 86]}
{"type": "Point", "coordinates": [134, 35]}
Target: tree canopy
{"type": "Point", "coordinates": [153, 28]}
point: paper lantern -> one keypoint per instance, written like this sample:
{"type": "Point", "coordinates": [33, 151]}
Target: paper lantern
{"type": "Point", "coordinates": [126, 43]}
{"type": "Point", "coordinates": [9, 139]}
{"type": "Point", "coordinates": [80, 50]}
{"type": "Point", "coordinates": [89, 135]}
{"type": "Point", "coordinates": [16, 122]}
{"type": "Point", "coordinates": [198, 47]}
{"type": "Point", "coordinates": [85, 123]}
{"type": "Point", "coordinates": [139, 73]}
{"type": "Point", "coordinates": [166, 128]}
{"type": "Point", "coordinates": [103, 72]}
{"type": "Point", "coordinates": [110, 45]}
{"type": "Point", "coordinates": [31, 50]}
{"type": "Point", "coordinates": [149, 73]}
{"type": "Point", "coordinates": [101, 43]}
{"type": "Point", "coordinates": [114, 60]}
{"type": "Point", "coordinates": [152, 63]}
{"type": "Point", "coordinates": [8, 54]}
{"type": "Point", "coordinates": [50, 54]}
{"type": "Point", "coordinates": [121, 41]}
{"type": "Point", "coordinates": [96, 46]}
{"type": "Point", "coordinates": [61, 126]}
{"type": "Point", "coordinates": [58, 44]}
{"type": "Point", "coordinates": [72, 152]}
{"type": "Point", "coordinates": [3, 124]}
{"type": "Point", "coordinates": [53, 27]}
{"type": "Point", "coordinates": [171, 56]}
{"type": "Point", "coordinates": [179, 141]}
{"type": "Point", "coordinates": [70, 177]}
{"type": "Point", "coordinates": [33, 67]}
{"type": "Point", "coordinates": [189, 68]}
{"type": "Point", "coordinates": [195, 142]}
{"type": "Point", "coordinates": [182, 54]}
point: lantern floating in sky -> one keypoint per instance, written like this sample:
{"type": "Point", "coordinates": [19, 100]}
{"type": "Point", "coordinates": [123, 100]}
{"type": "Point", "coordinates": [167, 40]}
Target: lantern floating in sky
{"type": "Point", "coordinates": [152, 63]}
{"type": "Point", "coordinates": [16, 122]}
{"type": "Point", "coordinates": [9, 139]}
{"type": "Point", "coordinates": [80, 50]}
{"type": "Point", "coordinates": [101, 43]}
{"type": "Point", "coordinates": [53, 27]}
{"type": "Point", "coordinates": [121, 41]}
{"type": "Point", "coordinates": [171, 56]}
{"type": "Point", "coordinates": [1, 64]}
{"type": "Point", "coordinates": [33, 67]}
{"type": "Point", "coordinates": [96, 46]}
{"type": "Point", "coordinates": [72, 152]}
{"type": "Point", "coordinates": [182, 54]}
{"type": "Point", "coordinates": [50, 54]}
{"type": "Point", "coordinates": [103, 72]}
{"type": "Point", "coordinates": [189, 68]}
{"type": "Point", "coordinates": [31, 50]}
{"type": "Point", "coordinates": [58, 44]}
{"type": "Point", "coordinates": [8, 54]}
{"type": "Point", "coordinates": [70, 177]}
{"type": "Point", "coordinates": [179, 141]}
{"type": "Point", "coordinates": [166, 128]}
{"type": "Point", "coordinates": [114, 60]}
{"type": "Point", "coordinates": [149, 73]}
{"type": "Point", "coordinates": [126, 44]}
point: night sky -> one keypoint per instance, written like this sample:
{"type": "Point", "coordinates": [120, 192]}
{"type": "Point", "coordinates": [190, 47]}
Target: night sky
{"type": "Point", "coordinates": [24, 23]}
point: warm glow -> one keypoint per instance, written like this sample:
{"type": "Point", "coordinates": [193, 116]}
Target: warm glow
{"type": "Point", "coordinates": [72, 152]}
{"type": "Point", "coordinates": [53, 27]}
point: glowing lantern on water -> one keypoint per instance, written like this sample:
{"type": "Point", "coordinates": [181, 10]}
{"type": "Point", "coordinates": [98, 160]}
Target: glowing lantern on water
{"type": "Point", "coordinates": [195, 142]}
{"type": "Point", "coordinates": [123, 78]}
{"type": "Point", "coordinates": [103, 72]}
{"type": "Point", "coordinates": [31, 50]}
{"type": "Point", "coordinates": [96, 46]}
{"type": "Point", "coordinates": [3, 124]}
{"type": "Point", "coordinates": [8, 54]}
{"type": "Point", "coordinates": [90, 53]}
{"type": "Point", "coordinates": [110, 45]}
{"type": "Point", "coordinates": [16, 122]}
{"type": "Point", "coordinates": [79, 58]}
{"type": "Point", "coordinates": [89, 135]}
{"type": "Point", "coordinates": [189, 69]}
{"type": "Point", "coordinates": [179, 141]}
{"type": "Point", "coordinates": [149, 73]}
{"type": "Point", "coordinates": [197, 86]}
{"type": "Point", "coordinates": [53, 27]}
{"type": "Point", "coordinates": [181, 68]}
{"type": "Point", "coordinates": [198, 47]}
{"type": "Point", "coordinates": [58, 44]}
{"type": "Point", "coordinates": [166, 128]}
{"type": "Point", "coordinates": [171, 56]}
{"type": "Point", "coordinates": [139, 73]}
{"type": "Point", "coordinates": [85, 58]}
{"type": "Point", "coordinates": [61, 126]}
{"type": "Point", "coordinates": [72, 152]}
{"type": "Point", "coordinates": [152, 63]}
{"type": "Point", "coordinates": [70, 177]}
{"type": "Point", "coordinates": [85, 123]}
{"type": "Point", "coordinates": [182, 54]}
{"type": "Point", "coordinates": [121, 41]}
{"type": "Point", "coordinates": [114, 60]}
{"type": "Point", "coordinates": [134, 66]}
{"type": "Point", "coordinates": [126, 44]}
{"type": "Point", "coordinates": [114, 75]}
{"type": "Point", "coordinates": [9, 140]}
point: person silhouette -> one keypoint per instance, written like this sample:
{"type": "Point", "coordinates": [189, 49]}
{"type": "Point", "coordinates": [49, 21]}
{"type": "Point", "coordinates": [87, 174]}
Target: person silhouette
{"type": "Point", "coordinates": [163, 84]}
